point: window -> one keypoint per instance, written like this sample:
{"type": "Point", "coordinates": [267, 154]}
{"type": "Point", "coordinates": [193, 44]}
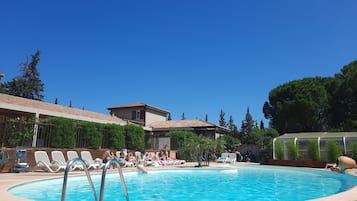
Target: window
{"type": "Point", "coordinates": [137, 115]}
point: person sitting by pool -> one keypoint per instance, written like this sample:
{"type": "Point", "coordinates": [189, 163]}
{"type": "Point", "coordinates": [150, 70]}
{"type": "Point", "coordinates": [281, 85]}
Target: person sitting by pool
{"type": "Point", "coordinates": [343, 163]}
{"type": "Point", "coordinates": [107, 156]}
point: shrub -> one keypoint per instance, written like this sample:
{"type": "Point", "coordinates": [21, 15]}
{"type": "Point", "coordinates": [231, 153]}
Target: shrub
{"type": "Point", "coordinates": [279, 149]}
{"type": "Point", "coordinates": [313, 150]}
{"type": "Point", "coordinates": [190, 146]}
{"type": "Point", "coordinates": [134, 137]}
{"type": "Point", "coordinates": [62, 132]}
{"type": "Point", "coordinates": [20, 131]}
{"type": "Point", "coordinates": [91, 133]}
{"type": "Point", "coordinates": [333, 150]}
{"type": "Point", "coordinates": [293, 150]}
{"type": "Point", "coordinates": [115, 135]}
{"type": "Point", "coordinates": [354, 150]}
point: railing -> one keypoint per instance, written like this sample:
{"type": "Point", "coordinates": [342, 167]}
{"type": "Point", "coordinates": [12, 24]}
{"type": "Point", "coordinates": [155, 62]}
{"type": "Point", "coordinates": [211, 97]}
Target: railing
{"type": "Point", "coordinates": [115, 161]}
{"type": "Point", "coordinates": [65, 178]}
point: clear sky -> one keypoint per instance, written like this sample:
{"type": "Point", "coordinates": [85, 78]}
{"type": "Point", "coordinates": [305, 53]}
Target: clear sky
{"type": "Point", "coordinates": [186, 56]}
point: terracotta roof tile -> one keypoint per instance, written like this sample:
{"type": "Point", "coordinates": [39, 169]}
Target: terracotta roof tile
{"type": "Point", "coordinates": [180, 124]}
{"type": "Point", "coordinates": [14, 100]}
{"type": "Point", "coordinates": [138, 104]}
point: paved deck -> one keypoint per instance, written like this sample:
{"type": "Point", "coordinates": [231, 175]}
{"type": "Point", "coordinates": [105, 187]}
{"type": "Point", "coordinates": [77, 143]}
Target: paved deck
{"type": "Point", "coordinates": [7, 180]}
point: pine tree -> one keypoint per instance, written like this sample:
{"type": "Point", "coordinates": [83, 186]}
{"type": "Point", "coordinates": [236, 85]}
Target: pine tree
{"type": "Point", "coordinates": [206, 118]}
{"type": "Point", "coordinates": [261, 125]}
{"type": "Point", "coordinates": [222, 121]}
{"type": "Point", "coordinates": [56, 101]}
{"type": "Point", "coordinates": [70, 103]}
{"type": "Point", "coordinates": [233, 127]}
{"type": "Point", "coordinates": [1, 84]}
{"type": "Point", "coordinates": [183, 116]}
{"type": "Point", "coordinates": [231, 123]}
{"type": "Point", "coordinates": [29, 84]}
{"type": "Point", "coordinates": [169, 117]}
{"type": "Point", "coordinates": [246, 128]}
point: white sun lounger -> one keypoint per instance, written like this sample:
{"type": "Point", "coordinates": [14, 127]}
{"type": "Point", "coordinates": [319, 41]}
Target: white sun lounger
{"type": "Point", "coordinates": [232, 158]}
{"type": "Point", "coordinates": [88, 159]}
{"type": "Point", "coordinates": [223, 158]}
{"type": "Point", "coordinates": [43, 162]}
{"type": "Point", "coordinates": [58, 157]}
{"type": "Point", "coordinates": [72, 155]}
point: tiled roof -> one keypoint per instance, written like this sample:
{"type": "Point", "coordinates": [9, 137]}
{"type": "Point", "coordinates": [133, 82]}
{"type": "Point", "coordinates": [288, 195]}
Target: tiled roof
{"type": "Point", "coordinates": [181, 124]}
{"type": "Point", "coordinates": [48, 109]}
{"type": "Point", "coordinates": [138, 104]}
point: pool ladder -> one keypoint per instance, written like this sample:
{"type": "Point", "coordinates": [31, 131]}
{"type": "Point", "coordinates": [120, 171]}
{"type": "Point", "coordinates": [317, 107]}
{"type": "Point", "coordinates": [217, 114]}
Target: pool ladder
{"type": "Point", "coordinates": [115, 161]}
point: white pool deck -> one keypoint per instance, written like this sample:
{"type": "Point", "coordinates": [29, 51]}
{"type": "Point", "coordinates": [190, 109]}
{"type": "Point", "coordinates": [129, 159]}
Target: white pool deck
{"type": "Point", "coordinates": [8, 180]}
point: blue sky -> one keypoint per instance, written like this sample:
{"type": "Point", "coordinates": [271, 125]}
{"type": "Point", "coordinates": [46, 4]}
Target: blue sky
{"type": "Point", "coordinates": [189, 56]}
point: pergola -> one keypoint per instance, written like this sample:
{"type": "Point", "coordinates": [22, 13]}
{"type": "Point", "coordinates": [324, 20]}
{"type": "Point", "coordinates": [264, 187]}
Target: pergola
{"type": "Point", "coordinates": [344, 139]}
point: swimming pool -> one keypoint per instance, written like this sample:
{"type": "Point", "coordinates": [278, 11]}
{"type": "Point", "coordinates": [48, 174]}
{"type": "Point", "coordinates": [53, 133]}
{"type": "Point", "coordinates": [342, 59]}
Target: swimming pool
{"type": "Point", "coordinates": [203, 184]}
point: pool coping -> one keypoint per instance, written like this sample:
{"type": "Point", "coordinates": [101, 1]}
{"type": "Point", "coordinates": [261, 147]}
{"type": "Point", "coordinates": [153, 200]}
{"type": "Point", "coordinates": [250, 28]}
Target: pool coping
{"type": "Point", "coordinates": [9, 180]}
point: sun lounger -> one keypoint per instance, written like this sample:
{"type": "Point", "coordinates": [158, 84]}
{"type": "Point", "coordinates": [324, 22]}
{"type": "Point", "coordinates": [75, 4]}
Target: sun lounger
{"type": "Point", "coordinates": [72, 155]}
{"type": "Point", "coordinates": [232, 158]}
{"type": "Point", "coordinates": [43, 162]}
{"type": "Point", "coordinates": [58, 157]}
{"type": "Point", "coordinates": [88, 159]}
{"type": "Point", "coordinates": [223, 158]}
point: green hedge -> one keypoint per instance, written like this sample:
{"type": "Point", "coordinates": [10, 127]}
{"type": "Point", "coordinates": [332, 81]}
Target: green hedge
{"type": "Point", "coordinates": [134, 137]}
{"type": "Point", "coordinates": [116, 135]}
{"type": "Point", "coordinates": [91, 134]}
{"type": "Point", "coordinates": [62, 132]}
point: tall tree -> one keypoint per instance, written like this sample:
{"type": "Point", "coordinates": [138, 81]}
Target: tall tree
{"type": "Point", "coordinates": [183, 116]}
{"type": "Point", "coordinates": [29, 85]}
{"type": "Point", "coordinates": [222, 120]}
{"type": "Point", "coordinates": [233, 127]}
{"type": "Point", "coordinates": [298, 106]}
{"type": "Point", "coordinates": [206, 118]}
{"type": "Point", "coordinates": [231, 124]}
{"type": "Point", "coordinates": [246, 128]}
{"type": "Point", "coordinates": [169, 117]}
{"type": "Point", "coordinates": [1, 84]}
{"type": "Point", "coordinates": [344, 101]}
{"type": "Point", "coordinates": [261, 125]}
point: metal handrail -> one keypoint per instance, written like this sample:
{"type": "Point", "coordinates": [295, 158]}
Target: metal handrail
{"type": "Point", "coordinates": [65, 178]}
{"type": "Point", "coordinates": [115, 161]}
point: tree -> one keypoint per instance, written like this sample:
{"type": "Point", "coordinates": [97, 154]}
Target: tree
{"type": "Point", "coordinates": [56, 101]}
{"type": "Point", "coordinates": [265, 142]}
{"type": "Point", "coordinates": [233, 127]}
{"type": "Point", "coordinates": [191, 146]}
{"type": "Point", "coordinates": [344, 101]}
{"type": "Point", "coordinates": [222, 121]}
{"type": "Point", "coordinates": [298, 106]}
{"type": "Point", "coordinates": [246, 128]}
{"type": "Point", "coordinates": [169, 117]}
{"type": "Point", "coordinates": [206, 118]}
{"type": "Point", "coordinates": [1, 85]}
{"type": "Point", "coordinates": [261, 124]}
{"type": "Point", "coordinates": [183, 116]}
{"type": "Point", "coordinates": [29, 85]}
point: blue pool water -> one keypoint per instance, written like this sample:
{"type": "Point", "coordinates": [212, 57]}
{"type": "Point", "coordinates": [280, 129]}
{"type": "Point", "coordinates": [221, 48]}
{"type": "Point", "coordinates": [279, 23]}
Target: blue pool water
{"type": "Point", "coordinates": [245, 183]}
